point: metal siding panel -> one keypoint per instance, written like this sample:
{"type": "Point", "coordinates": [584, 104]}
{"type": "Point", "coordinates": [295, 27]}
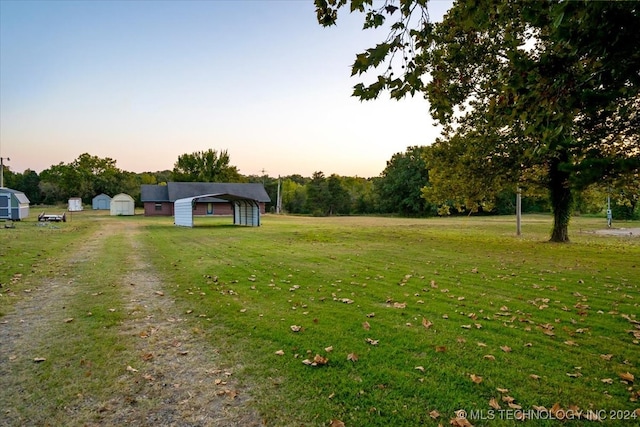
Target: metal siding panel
{"type": "Point", "coordinates": [183, 213]}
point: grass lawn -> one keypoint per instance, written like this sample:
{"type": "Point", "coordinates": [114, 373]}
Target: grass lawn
{"type": "Point", "coordinates": [389, 321]}
{"type": "Point", "coordinates": [407, 319]}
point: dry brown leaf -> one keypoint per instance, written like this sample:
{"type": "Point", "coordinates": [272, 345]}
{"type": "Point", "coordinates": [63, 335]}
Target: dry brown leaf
{"type": "Point", "coordinates": [352, 357]}
{"type": "Point", "coordinates": [571, 343]}
{"type": "Point", "coordinates": [481, 344]}
{"type": "Point", "coordinates": [319, 360]}
{"type": "Point", "coordinates": [296, 328]}
{"type": "Point", "coordinates": [460, 422]}
{"type": "Point", "coordinates": [159, 293]}
{"type": "Point", "coordinates": [476, 378]}
{"type": "Point", "coordinates": [607, 380]}
{"type": "Point", "coordinates": [627, 376]}
{"type": "Point", "coordinates": [372, 341]}
{"type": "Point", "coordinates": [465, 326]}
{"type": "Point", "coordinates": [68, 320]}
{"type": "Point", "coordinates": [434, 414]}
{"type": "Point", "coordinates": [336, 423]}
{"type": "Point", "coordinates": [328, 349]}
{"type": "Point", "coordinates": [147, 356]}
{"type": "Point", "coordinates": [39, 359]}
{"type": "Point", "coordinates": [399, 305]}
{"type": "Point", "coordinates": [505, 348]}
{"type": "Point", "coordinates": [130, 369]}
{"type": "Point", "coordinates": [280, 352]}
{"type": "Point", "coordinates": [366, 326]}
{"type": "Point", "coordinates": [555, 408]}
{"type": "Point", "coordinates": [606, 356]}
{"type": "Point", "coordinates": [503, 390]}
{"type": "Point", "coordinates": [514, 405]}
{"type": "Point", "coordinates": [489, 357]}
{"type": "Point", "coordinates": [440, 349]}
{"type": "Point", "coordinates": [534, 377]}
{"type": "Point", "coordinates": [574, 374]}
{"type": "Point", "coordinates": [494, 403]}
{"type": "Point", "coordinates": [508, 399]}
{"type": "Point", "coordinates": [419, 368]}
{"type": "Point", "coordinates": [426, 323]}
{"type": "Point", "coordinates": [370, 315]}
{"type": "Point", "coordinates": [539, 408]}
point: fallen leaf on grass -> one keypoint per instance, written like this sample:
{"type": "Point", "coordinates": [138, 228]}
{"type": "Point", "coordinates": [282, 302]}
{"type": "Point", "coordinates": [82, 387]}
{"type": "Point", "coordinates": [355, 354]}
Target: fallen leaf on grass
{"type": "Point", "coordinates": [328, 349]}
{"type": "Point", "coordinates": [280, 352]}
{"type": "Point", "coordinates": [336, 423]}
{"type": "Point", "coordinates": [39, 359]}
{"type": "Point", "coordinates": [317, 360]}
{"type": "Point", "coordinates": [534, 377]}
{"type": "Point", "coordinates": [505, 348]}
{"type": "Point", "coordinates": [489, 357]}
{"type": "Point", "coordinates": [607, 380]}
{"type": "Point", "coordinates": [296, 328]}
{"type": "Point", "coordinates": [352, 357]}
{"type": "Point", "coordinates": [606, 356]}
{"type": "Point", "coordinates": [399, 305]}
{"type": "Point", "coordinates": [366, 326]}
{"type": "Point", "coordinates": [130, 369]}
{"type": "Point", "coordinates": [627, 376]}
{"type": "Point", "coordinates": [69, 320]}
{"type": "Point", "coordinates": [434, 414]}
{"type": "Point", "coordinates": [159, 293]}
{"type": "Point", "coordinates": [440, 349]}
{"type": "Point", "coordinates": [476, 378]}
{"type": "Point", "coordinates": [426, 323]}
{"type": "Point", "coordinates": [147, 356]}
{"type": "Point", "coordinates": [494, 403]}
{"type": "Point", "coordinates": [574, 375]}
{"type": "Point", "coordinates": [419, 368]}
{"type": "Point", "coordinates": [460, 422]}
{"type": "Point", "coordinates": [503, 390]}
{"type": "Point", "coordinates": [372, 341]}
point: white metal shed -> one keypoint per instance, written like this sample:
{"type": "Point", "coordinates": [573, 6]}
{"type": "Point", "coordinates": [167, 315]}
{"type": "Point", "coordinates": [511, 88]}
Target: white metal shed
{"type": "Point", "coordinates": [122, 204]}
{"type": "Point", "coordinates": [75, 204]}
{"type": "Point", "coordinates": [245, 211]}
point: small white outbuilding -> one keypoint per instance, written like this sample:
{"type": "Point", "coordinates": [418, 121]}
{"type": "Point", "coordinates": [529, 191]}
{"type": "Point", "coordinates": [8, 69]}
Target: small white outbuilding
{"type": "Point", "coordinates": [122, 204]}
{"type": "Point", "coordinates": [75, 204]}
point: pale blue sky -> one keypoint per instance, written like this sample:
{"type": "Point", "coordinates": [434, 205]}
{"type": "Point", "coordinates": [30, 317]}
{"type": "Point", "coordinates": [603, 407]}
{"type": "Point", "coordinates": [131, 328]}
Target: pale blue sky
{"type": "Point", "coordinates": [143, 82]}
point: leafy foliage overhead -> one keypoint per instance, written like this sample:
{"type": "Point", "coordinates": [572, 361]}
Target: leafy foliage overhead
{"type": "Point", "coordinates": [548, 86]}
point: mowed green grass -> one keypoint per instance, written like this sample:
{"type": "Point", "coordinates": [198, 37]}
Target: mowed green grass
{"type": "Point", "coordinates": [439, 315]}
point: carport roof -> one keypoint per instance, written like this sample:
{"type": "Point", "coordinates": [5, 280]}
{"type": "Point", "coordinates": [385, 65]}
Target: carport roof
{"type": "Point", "coordinates": [180, 190]}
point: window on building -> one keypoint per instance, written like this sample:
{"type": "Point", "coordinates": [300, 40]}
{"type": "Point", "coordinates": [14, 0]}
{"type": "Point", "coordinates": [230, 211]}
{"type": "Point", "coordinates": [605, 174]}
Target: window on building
{"type": "Point", "coordinates": [158, 206]}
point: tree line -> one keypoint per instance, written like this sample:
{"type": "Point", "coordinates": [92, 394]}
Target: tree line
{"type": "Point", "coordinates": [412, 184]}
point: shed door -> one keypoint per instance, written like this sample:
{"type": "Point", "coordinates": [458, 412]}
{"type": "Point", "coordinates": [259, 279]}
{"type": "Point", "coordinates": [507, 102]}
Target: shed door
{"type": "Point", "coordinates": [5, 206]}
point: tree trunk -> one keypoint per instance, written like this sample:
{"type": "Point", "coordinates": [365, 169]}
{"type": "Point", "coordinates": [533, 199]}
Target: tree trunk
{"type": "Point", "coordinates": [561, 198]}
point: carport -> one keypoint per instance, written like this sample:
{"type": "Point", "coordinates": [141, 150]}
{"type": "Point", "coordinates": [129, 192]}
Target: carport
{"type": "Point", "coordinates": [245, 211]}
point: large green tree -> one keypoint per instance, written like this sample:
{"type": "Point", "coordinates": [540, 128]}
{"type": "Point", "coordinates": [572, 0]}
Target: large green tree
{"type": "Point", "coordinates": [545, 89]}
{"type": "Point", "coordinates": [401, 181]}
{"type": "Point", "coordinates": [206, 166]}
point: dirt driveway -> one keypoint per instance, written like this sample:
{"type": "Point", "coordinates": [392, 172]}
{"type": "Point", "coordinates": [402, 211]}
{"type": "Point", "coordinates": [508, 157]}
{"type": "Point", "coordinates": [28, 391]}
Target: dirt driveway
{"type": "Point", "coordinates": [179, 380]}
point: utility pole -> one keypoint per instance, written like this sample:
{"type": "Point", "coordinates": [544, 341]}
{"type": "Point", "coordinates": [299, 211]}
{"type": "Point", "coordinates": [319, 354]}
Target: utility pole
{"type": "Point", "coordinates": [518, 211]}
{"type": "Point", "coordinates": [2, 159]}
{"type": "Point", "coordinates": [278, 199]}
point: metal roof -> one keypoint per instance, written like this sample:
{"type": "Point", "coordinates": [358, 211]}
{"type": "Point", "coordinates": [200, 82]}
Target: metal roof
{"type": "Point", "coordinates": [211, 190]}
{"type": "Point", "coordinates": [19, 195]}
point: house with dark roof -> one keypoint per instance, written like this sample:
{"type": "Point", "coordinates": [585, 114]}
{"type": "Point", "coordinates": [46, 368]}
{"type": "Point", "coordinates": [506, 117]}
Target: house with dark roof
{"type": "Point", "coordinates": [159, 200]}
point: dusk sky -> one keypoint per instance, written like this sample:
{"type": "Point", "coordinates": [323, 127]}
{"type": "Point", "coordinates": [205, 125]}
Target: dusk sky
{"type": "Point", "coordinates": [143, 82]}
